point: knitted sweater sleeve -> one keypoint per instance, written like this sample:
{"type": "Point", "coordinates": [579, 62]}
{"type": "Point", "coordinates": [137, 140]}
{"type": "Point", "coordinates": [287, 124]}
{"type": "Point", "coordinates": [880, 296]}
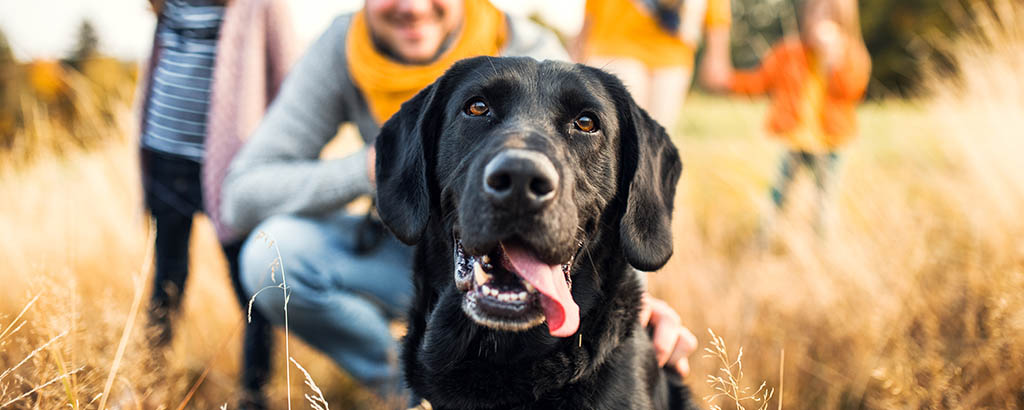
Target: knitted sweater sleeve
{"type": "Point", "coordinates": [279, 170]}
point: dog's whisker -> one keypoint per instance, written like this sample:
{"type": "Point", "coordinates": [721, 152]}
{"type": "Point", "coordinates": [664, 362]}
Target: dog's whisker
{"type": "Point", "coordinates": [590, 257]}
{"type": "Point", "coordinates": [495, 70]}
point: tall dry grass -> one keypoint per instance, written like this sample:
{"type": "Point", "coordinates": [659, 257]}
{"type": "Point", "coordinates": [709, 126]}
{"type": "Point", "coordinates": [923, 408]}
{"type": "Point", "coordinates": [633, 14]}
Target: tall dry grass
{"type": "Point", "coordinates": [915, 301]}
{"type": "Point", "coordinates": [917, 298]}
{"type": "Point", "coordinates": [73, 252]}
{"type": "Point", "coordinates": [48, 109]}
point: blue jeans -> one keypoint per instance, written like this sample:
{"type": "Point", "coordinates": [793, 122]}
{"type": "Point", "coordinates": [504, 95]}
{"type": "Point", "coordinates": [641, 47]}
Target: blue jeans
{"type": "Point", "coordinates": [341, 302]}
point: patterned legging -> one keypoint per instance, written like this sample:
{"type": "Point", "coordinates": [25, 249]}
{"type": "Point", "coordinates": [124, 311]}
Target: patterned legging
{"type": "Point", "coordinates": [821, 166]}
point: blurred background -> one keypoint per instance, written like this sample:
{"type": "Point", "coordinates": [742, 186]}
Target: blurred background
{"type": "Point", "coordinates": [917, 300]}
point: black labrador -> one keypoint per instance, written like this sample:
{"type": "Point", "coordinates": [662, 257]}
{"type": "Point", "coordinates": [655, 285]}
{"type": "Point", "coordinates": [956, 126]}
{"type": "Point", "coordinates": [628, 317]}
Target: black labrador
{"type": "Point", "coordinates": [530, 188]}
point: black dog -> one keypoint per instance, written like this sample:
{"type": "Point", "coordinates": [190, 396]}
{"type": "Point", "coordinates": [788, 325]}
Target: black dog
{"type": "Point", "coordinates": [530, 188]}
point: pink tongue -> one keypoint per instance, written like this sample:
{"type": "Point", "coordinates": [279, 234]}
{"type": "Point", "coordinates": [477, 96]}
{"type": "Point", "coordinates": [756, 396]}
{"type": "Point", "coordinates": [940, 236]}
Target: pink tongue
{"type": "Point", "coordinates": [562, 313]}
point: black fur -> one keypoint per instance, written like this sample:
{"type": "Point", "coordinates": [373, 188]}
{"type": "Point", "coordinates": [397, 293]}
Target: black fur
{"type": "Point", "coordinates": [615, 196]}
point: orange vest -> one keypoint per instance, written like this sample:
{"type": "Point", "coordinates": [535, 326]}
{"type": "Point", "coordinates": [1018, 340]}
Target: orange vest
{"type": "Point", "coordinates": [788, 75]}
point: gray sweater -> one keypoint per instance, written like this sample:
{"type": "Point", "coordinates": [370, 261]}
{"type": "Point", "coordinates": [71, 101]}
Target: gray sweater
{"type": "Point", "coordinates": [279, 171]}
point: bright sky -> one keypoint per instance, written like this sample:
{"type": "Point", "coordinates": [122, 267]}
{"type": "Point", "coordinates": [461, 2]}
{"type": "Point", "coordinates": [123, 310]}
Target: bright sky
{"type": "Point", "coordinates": [47, 28]}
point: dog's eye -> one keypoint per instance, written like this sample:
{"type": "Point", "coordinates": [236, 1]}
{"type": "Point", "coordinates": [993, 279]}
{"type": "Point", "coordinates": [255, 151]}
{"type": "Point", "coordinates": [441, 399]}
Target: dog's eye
{"type": "Point", "coordinates": [477, 107]}
{"type": "Point", "coordinates": [585, 123]}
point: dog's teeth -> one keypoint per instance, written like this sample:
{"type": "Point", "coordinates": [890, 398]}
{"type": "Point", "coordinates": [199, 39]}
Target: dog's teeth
{"type": "Point", "coordinates": [485, 259]}
{"type": "Point", "coordinates": [503, 297]}
{"type": "Point", "coordinates": [494, 292]}
{"type": "Point", "coordinates": [479, 275]}
{"type": "Point", "coordinates": [486, 290]}
{"type": "Point", "coordinates": [529, 287]}
{"type": "Point", "coordinates": [522, 295]}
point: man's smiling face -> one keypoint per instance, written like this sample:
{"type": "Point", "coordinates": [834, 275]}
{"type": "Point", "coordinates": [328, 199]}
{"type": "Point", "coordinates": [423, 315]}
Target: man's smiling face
{"type": "Point", "coordinates": [413, 30]}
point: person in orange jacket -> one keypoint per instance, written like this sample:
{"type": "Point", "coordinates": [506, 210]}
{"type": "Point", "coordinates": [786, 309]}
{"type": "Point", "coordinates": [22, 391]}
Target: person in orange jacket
{"type": "Point", "coordinates": [815, 82]}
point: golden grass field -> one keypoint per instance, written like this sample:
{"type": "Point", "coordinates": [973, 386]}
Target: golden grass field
{"type": "Point", "coordinates": [915, 300]}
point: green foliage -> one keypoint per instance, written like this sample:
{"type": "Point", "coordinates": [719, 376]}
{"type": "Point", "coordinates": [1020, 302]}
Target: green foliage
{"type": "Point", "coordinates": [757, 25]}
{"type": "Point", "coordinates": [901, 36]}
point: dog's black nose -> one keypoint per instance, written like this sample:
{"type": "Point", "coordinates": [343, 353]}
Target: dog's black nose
{"type": "Point", "coordinates": [520, 179]}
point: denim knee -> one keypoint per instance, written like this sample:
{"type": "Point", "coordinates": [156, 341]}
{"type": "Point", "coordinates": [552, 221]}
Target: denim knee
{"type": "Point", "coordinates": [294, 240]}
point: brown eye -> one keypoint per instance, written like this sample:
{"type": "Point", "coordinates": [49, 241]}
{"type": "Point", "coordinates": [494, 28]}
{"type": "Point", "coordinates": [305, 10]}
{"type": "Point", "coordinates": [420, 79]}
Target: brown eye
{"type": "Point", "coordinates": [477, 107]}
{"type": "Point", "coordinates": [585, 123]}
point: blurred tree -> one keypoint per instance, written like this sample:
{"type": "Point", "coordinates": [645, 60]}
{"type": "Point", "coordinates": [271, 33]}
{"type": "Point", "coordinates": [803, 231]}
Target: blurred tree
{"type": "Point", "coordinates": [7, 92]}
{"type": "Point", "coordinates": [86, 47]}
{"type": "Point", "coordinates": [6, 55]}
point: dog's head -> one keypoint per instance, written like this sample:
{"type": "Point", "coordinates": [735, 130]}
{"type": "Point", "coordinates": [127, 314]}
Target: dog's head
{"type": "Point", "coordinates": [521, 164]}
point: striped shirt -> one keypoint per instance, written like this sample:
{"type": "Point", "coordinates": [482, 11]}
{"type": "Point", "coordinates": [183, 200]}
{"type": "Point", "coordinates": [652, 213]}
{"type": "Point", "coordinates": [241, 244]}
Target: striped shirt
{"type": "Point", "coordinates": [176, 113]}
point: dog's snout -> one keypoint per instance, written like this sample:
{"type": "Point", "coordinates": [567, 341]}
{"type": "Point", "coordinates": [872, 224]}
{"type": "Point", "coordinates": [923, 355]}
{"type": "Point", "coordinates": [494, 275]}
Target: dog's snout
{"type": "Point", "coordinates": [520, 179]}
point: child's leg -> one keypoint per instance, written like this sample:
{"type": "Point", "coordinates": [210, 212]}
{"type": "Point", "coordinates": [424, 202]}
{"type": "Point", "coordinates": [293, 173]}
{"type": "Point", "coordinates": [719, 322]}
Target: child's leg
{"type": "Point", "coordinates": [787, 168]}
{"type": "Point", "coordinates": [173, 197]}
{"type": "Point", "coordinates": [824, 170]}
{"type": "Point", "coordinates": [786, 171]}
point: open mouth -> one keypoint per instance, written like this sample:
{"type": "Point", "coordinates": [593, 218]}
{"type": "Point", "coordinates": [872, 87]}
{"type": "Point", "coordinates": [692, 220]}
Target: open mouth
{"type": "Point", "coordinates": [509, 288]}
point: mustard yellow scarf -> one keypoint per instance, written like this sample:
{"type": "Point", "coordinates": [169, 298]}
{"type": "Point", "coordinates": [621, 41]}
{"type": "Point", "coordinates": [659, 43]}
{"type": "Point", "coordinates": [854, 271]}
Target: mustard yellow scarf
{"type": "Point", "coordinates": [386, 83]}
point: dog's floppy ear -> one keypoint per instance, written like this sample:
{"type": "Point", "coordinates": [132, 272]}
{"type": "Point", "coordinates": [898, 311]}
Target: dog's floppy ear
{"type": "Point", "coordinates": [403, 146]}
{"type": "Point", "coordinates": [652, 168]}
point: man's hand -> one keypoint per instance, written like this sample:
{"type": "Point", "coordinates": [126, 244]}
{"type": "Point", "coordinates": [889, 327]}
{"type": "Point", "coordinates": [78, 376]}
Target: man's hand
{"type": "Point", "coordinates": [673, 343]}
